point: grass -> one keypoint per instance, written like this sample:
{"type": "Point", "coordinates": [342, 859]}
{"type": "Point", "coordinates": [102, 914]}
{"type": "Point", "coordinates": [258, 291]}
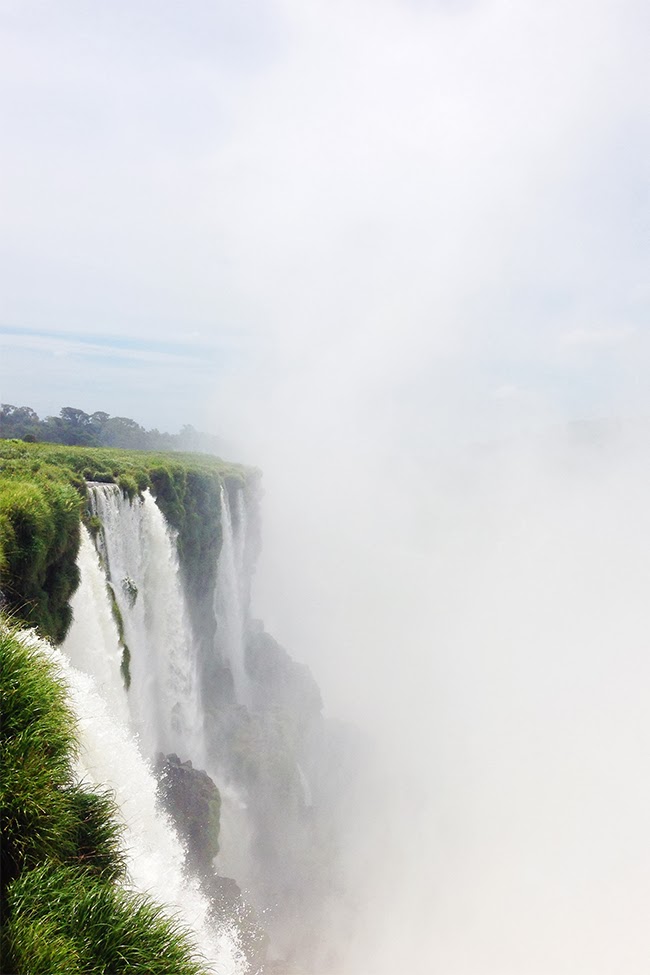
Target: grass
{"type": "Point", "coordinates": [37, 748]}
{"type": "Point", "coordinates": [43, 498]}
{"type": "Point", "coordinates": [65, 907]}
{"type": "Point", "coordinates": [110, 463]}
{"type": "Point", "coordinates": [63, 921]}
{"type": "Point", "coordinates": [39, 541]}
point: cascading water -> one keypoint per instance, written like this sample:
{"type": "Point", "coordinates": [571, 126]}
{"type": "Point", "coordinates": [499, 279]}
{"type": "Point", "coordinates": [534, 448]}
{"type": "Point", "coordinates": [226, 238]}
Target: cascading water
{"type": "Point", "coordinates": [93, 643]}
{"type": "Point", "coordinates": [137, 572]}
{"type": "Point", "coordinates": [142, 566]}
{"type": "Point", "coordinates": [231, 594]}
{"type": "Point", "coordinates": [155, 857]}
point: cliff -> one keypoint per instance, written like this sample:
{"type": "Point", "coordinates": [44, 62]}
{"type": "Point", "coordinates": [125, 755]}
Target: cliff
{"type": "Point", "coordinates": [43, 497]}
{"type": "Point", "coordinates": [174, 544]}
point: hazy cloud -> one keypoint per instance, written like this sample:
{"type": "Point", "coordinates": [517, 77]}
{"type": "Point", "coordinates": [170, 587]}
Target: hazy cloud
{"type": "Point", "coordinates": [392, 190]}
{"type": "Point", "coordinates": [599, 337]}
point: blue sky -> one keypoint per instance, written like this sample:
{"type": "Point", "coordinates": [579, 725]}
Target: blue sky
{"type": "Point", "coordinates": [418, 217]}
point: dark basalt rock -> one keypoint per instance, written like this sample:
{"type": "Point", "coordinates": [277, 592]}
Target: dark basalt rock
{"type": "Point", "coordinates": [193, 801]}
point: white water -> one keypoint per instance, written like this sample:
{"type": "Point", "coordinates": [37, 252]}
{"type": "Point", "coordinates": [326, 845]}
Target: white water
{"type": "Point", "coordinates": [110, 757]}
{"type": "Point", "coordinates": [231, 595]}
{"type": "Point", "coordinates": [93, 642]}
{"type": "Point", "coordinates": [140, 547]}
{"type": "Point", "coordinates": [163, 706]}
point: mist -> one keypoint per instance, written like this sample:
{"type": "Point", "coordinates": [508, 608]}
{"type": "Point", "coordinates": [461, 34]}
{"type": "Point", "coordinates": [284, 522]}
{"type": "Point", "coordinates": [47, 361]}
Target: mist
{"type": "Point", "coordinates": [458, 556]}
{"type": "Point", "coordinates": [482, 618]}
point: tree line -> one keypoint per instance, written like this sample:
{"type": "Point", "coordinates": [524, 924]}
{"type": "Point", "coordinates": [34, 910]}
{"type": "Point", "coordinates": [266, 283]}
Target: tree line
{"type": "Point", "coordinates": [74, 427]}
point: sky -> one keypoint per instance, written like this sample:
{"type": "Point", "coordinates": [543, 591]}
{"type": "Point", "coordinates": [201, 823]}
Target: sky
{"type": "Point", "coordinates": [431, 215]}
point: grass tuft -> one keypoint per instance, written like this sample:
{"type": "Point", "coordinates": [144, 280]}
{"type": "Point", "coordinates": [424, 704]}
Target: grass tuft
{"type": "Point", "coordinates": [58, 915]}
{"type": "Point", "coordinates": [64, 908]}
{"type": "Point", "coordinates": [37, 748]}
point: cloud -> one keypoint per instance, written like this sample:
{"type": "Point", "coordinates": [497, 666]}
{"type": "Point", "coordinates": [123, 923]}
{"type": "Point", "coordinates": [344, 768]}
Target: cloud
{"type": "Point", "coordinates": [393, 193]}
{"type": "Point", "coordinates": [507, 391]}
{"type": "Point", "coordinates": [597, 337]}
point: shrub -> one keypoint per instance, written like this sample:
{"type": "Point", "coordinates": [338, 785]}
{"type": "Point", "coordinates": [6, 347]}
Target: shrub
{"type": "Point", "coordinates": [128, 486]}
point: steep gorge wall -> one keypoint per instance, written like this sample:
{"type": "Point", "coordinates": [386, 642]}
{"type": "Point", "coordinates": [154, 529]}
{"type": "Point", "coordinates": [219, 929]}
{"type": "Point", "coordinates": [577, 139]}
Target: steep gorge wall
{"type": "Point", "coordinates": [260, 712]}
{"type": "Point", "coordinates": [43, 496]}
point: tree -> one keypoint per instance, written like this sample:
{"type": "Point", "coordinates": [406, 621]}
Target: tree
{"type": "Point", "coordinates": [76, 418]}
{"type": "Point", "coordinates": [17, 421]}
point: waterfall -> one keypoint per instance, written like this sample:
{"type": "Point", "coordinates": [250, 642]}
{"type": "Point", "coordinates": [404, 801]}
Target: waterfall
{"type": "Point", "coordinates": [231, 593]}
{"type": "Point", "coordinates": [110, 757]}
{"type": "Point", "coordinates": [141, 561]}
{"type": "Point", "coordinates": [131, 594]}
{"type": "Point", "coordinates": [93, 643]}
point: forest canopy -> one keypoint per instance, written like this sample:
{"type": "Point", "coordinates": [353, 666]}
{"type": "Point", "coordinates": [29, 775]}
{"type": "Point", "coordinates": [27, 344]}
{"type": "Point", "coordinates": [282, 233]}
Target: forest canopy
{"type": "Point", "coordinates": [73, 427]}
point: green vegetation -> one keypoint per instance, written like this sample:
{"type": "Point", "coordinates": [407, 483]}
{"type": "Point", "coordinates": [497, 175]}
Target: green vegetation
{"type": "Point", "coordinates": [74, 427]}
{"type": "Point", "coordinates": [64, 908]}
{"type": "Point", "coordinates": [125, 663]}
{"type": "Point", "coordinates": [42, 497]}
{"type": "Point", "coordinates": [125, 666]}
{"type": "Point", "coordinates": [40, 510]}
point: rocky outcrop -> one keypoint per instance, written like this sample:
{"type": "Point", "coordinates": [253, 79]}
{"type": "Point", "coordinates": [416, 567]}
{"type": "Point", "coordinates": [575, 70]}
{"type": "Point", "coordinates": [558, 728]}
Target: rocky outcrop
{"type": "Point", "coordinates": [192, 800]}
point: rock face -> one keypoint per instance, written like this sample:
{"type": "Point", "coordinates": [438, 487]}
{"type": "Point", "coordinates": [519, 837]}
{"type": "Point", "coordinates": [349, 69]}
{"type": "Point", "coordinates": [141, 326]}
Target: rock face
{"type": "Point", "coordinates": [193, 801]}
{"type": "Point", "coordinates": [279, 681]}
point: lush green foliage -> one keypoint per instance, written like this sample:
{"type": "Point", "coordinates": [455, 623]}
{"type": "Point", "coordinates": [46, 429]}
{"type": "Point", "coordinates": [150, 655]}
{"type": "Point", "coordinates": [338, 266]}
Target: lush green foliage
{"type": "Point", "coordinates": [145, 468]}
{"type": "Point", "coordinates": [64, 921]}
{"type": "Point", "coordinates": [37, 743]}
{"type": "Point", "coordinates": [42, 491]}
{"type": "Point", "coordinates": [125, 664]}
{"type": "Point", "coordinates": [73, 426]}
{"type": "Point", "coordinates": [64, 906]}
{"type": "Point", "coordinates": [39, 540]}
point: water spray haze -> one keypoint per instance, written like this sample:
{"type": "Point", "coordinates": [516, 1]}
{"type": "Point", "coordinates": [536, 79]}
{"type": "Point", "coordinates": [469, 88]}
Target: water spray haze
{"type": "Point", "coordinates": [439, 296]}
{"type": "Point", "coordinates": [484, 621]}
{"type": "Point", "coordinates": [477, 610]}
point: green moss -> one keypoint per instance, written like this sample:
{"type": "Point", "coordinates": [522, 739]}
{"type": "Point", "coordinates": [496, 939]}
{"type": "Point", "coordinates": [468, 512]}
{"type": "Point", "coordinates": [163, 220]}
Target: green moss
{"type": "Point", "coordinates": [116, 611]}
{"type": "Point", "coordinates": [128, 485]}
{"type": "Point", "coordinates": [93, 524]}
{"type": "Point", "coordinates": [125, 666]}
{"type": "Point", "coordinates": [101, 477]}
